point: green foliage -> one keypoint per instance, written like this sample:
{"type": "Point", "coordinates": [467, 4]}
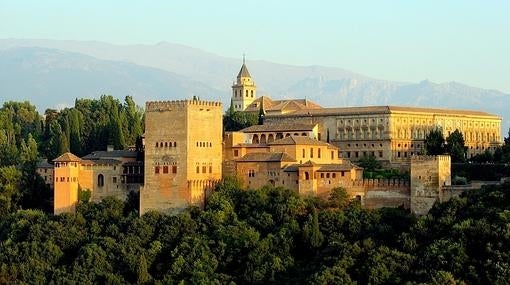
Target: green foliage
{"type": "Point", "coordinates": [369, 163]}
{"type": "Point", "coordinates": [456, 146]}
{"type": "Point", "coordinates": [434, 142]}
{"type": "Point", "coordinates": [84, 195]}
{"type": "Point", "coordinates": [235, 121]}
{"type": "Point", "coordinates": [264, 236]}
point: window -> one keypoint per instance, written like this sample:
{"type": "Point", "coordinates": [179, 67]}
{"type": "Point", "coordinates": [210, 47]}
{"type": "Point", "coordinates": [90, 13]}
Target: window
{"type": "Point", "coordinates": [100, 180]}
{"type": "Point", "coordinates": [311, 152]}
{"type": "Point", "coordinates": [380, 154]}
{"type": "Point", "coordinates": [303, 153]}
{"type": "Point", "coordinates": [204, 169]}
{"type": "Point", "coordinates": [156, 170]}
{"type": "Point", "coordinates": [319, 153]}
{"type": "Point", "coordinates": [332, 154]}
{"type": "Point", "coordinates": [165, 169]}
{"type": "Point", "coordinates": [327, 175]}
{"type": "Point", "coordinates": [114, 179]}
{"type": "Point", "coordinates": [322, 175]}
{"type": "Point", "coordinates": [174, 169]}
{"type": "Point", "coordinates": [210, 169]}
{"type": "Point", "coordinates": [198, 169]}
{"type": "Point", "coordinates": [307, 176]}
{"type": "Point", "coordinates": [236, 152]}
{"type": "Point", "coordinates": [334, 175]}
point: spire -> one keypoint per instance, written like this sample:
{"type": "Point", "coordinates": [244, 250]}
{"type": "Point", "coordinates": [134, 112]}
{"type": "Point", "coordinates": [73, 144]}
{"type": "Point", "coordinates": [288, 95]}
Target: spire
{"type": "Point", "coordinates": [244, 70]}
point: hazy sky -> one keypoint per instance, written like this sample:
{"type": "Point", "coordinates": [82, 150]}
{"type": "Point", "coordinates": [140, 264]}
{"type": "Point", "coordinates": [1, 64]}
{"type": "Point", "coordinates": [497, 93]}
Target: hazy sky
{"type": "Point", "coordinates": [465, 41]}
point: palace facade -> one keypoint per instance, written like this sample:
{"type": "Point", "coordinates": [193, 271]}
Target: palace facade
{"type": "Point", "coordinates": [390, 133]}
{"type": "Point", "coordinates": [301, 146]}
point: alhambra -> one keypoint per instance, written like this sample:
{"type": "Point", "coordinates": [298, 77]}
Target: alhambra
{"type": "Point", "coordinates": [301, 146]}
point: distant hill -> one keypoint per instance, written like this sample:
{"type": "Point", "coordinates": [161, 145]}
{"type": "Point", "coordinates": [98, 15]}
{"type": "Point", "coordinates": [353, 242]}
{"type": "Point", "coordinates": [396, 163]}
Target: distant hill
{"type": "Point", "coordinates": [53, 78]}
{"type": "Point", "coordinates": [169, 71]}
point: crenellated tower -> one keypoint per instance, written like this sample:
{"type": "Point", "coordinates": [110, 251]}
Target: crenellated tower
{"type": "Point", "coordinates": [244, 91]}
{"type": "Point", "coordinates": [183, 154]}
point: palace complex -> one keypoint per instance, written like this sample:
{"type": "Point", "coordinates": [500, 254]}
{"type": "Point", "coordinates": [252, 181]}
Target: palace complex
{"type": "Point", "coordinates": [300, 146]}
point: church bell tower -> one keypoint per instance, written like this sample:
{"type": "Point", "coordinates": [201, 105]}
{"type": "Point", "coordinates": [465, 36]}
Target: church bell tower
{"type": "Point", "coordinates": [244, 91]}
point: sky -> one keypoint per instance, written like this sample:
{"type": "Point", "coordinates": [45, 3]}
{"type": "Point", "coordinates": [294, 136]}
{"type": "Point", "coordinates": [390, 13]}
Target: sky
{"type": "Point", "coordinates": [400, 40]}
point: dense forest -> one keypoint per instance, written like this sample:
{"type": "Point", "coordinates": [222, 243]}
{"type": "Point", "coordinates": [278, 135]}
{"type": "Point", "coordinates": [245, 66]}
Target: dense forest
{"type": "Point", "coordinates": [263, 236]}
{"type": "Point", "coordinates": [266, 236]}
{"type": "Point", "coordinates": [90, 125]}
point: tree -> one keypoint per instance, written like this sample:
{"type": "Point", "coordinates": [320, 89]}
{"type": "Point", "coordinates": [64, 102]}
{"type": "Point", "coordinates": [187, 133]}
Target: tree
{"type": "Point", "coordinates": [369, 163]}
{"type": "Point", "coordinates": [434, 142]}
{"type": "Point", "coordinates": [143, 274]}
{"type": "Point", "coordinates": [311, 230]}
{"type": "Point", "coordinates": [456, 146]}
{"type": "Point", "coordinates": [29, 152]}
{"type": "Point", "coordinates": [10, 194]}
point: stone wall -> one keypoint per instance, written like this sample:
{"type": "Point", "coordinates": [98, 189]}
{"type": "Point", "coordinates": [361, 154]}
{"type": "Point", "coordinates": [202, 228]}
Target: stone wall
{"type": "Point", "coordinates": [183, 147]}
{"type": "Point", "coordinates": [428, 175]}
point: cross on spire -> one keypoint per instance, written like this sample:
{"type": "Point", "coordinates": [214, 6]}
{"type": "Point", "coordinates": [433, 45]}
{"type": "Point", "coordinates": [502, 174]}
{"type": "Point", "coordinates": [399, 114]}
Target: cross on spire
{"type": "Point", "coordinates": [244, 58]}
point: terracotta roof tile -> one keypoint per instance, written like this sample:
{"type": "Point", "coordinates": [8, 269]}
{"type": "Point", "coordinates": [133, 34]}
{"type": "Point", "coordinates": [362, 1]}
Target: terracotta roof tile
{"type": "Point", "coordinates": [299, 140]}
{"type": "Point", "coordinates": [278, 127]}
{"type": "Point", "coordinates": [266, 157]}
{"type": "Point", "coordinates": [66, 157]}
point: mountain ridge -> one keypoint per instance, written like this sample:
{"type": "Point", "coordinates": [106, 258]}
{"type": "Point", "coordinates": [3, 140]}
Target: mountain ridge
{"type": "Point", "coordinates": [213, 75]}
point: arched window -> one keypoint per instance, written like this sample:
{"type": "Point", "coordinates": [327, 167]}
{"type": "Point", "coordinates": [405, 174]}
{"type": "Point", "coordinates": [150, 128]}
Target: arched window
{"type": "Point", "coordinates": [263, 138]}
{"type": "Point", "coordinates": [100, 180]}
{"type": "Point", "coordinates": [246, 93]}
{"type": "Point", "coordinates": [175, 144]}
{"type": "Point", "coordinates": [156, 144]}
{"type": "Point", "coordinates": [255, 139]}
{"type": "Point", "coordinates": [252, 94]}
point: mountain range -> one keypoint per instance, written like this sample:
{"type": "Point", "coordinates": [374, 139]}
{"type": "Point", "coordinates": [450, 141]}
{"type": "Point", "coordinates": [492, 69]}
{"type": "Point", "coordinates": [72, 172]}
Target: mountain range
{"type": "Point", "coordinates": [52, 73]}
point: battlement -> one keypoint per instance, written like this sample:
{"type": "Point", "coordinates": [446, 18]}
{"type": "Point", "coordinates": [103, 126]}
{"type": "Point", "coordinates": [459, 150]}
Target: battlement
{"type": "Point", "coordinates": [381, 182]}
{"type": "Point", "coordinates": [416, 158]}
{"type": "Point", "coordinates": [157, 106]}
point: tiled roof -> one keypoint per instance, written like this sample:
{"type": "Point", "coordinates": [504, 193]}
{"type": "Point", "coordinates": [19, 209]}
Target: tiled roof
{"type": "Point", "coordinates": [44, 164]}
{"type": "Point", "coordinates": [112, 153]}
{"type": "Point", "coordinates": [266, 157]}
{"type": "Point", "coordinates": [345, 166]}
{"type": "Point", "coordinates": [101, 161]}
{"type": "Point", "coordinates": [380, 110]}
{"type": "Point", "coordinates": [66, 157]}
{"type": "Point", "coordinates": [244, 72]}
{"type": "Point", "coordinates": [338, 167]}
{"type": "Point", "coordinates": [270, 105]}
{"type": "Point", "coordinates": [299, 140]}
{"type": "Point", "coordinates": [278, 127]}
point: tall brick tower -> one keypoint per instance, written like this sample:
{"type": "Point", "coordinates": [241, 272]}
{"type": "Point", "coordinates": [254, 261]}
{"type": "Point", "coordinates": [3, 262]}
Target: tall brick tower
{"type": "Point", "coordinates": [183, 154]}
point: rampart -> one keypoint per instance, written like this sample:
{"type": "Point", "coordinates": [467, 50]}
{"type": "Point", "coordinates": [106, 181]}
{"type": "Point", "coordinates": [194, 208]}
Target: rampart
{"type": "Point", "coordinates": [157, 106]}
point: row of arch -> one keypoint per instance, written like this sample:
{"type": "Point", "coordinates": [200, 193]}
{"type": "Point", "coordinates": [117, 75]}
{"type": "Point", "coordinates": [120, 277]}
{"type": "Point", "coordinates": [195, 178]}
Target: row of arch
{"type": "Point", "coordinates": [256, 139]}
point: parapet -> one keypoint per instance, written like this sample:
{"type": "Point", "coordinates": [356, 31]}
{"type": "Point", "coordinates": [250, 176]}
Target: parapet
{"type": "Point", "coordinates": [417, 158]}
{"type": "Point", "coordinates": [396, 182]}
{"type": "Point", "coordinates": [157, 106]}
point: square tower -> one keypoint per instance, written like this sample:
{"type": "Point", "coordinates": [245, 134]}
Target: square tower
{"type": "Point", "coordinates": [183, 154]}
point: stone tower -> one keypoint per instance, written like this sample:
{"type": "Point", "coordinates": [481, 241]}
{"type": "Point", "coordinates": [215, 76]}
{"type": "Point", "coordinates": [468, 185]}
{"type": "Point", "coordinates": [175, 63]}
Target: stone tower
{"type": "Point", "coordinates": [428, 176]}
{"type": "Point", "coordinates": [244, 91]}
{"type": "Point", "coordinates": [183, 154]}
{"type": "Point", "coordinates": [66, 174]}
